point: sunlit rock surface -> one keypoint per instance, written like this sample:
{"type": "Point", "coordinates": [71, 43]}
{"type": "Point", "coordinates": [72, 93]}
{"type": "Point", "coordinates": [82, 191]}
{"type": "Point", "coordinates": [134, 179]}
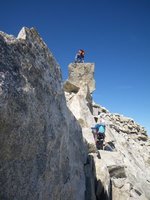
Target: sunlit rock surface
{"type": "Point", "coordinates": [122, 169]}
{"type": "Point", "coordinates": [42, 154]}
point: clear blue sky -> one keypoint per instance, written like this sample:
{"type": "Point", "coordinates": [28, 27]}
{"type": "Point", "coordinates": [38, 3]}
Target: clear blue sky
{"type": "Point", "coordinates": [115, 35]}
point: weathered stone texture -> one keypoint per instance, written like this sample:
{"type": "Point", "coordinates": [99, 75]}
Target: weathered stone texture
{"type": "Point", "coordinates": [122, 171]}
{"type": "Point", "coordinates": [82, 73]}
{"type": "Point", "coordinates": [42, 153]}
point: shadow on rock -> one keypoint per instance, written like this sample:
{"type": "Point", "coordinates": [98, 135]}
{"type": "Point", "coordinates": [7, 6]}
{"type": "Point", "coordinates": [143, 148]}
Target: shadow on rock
{"type": "Point", "coordinates": [95, 189]}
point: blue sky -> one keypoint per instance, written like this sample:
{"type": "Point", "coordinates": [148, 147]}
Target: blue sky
{"type": "Point", "coordinates": [115, 35]}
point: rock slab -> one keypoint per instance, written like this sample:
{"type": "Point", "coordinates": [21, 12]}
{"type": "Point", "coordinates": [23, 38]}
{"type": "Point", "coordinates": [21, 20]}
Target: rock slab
{"type": "Point", "coordinates": [42, 153]}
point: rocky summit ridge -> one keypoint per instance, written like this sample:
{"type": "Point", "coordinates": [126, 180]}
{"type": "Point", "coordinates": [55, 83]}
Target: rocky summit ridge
{"type": "Point", "coordinates": [123, 170]}
{"type": "Point", "coordinates": [47, 150]}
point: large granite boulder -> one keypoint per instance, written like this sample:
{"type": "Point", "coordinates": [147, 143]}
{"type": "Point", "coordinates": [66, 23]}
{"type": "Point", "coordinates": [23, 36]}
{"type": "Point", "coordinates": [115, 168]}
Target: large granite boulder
{"type": "Point", "coordinates": [81, 74]}
{"type": "Point", "coordinates": [42, 154]}
{"type": "Point", "coordinates": [80, 107]}
{"type": "Point", "coordinates": [78, 89]}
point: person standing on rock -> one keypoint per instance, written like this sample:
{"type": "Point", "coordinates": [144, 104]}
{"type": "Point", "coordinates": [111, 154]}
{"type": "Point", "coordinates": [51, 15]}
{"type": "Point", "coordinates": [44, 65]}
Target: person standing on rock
{"type": "Point", "coordinates": [79, 58]}
{"type": "Point", "coordinates": [99, 133]}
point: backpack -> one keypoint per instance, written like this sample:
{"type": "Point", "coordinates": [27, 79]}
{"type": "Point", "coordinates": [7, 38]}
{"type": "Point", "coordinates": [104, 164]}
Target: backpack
{"type": "Point", "coordinates": [101, 129]}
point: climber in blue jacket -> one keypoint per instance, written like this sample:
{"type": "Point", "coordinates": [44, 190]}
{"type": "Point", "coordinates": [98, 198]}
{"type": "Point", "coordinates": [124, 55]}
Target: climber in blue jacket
{"type": "Point", "coordinates": [99, 130]}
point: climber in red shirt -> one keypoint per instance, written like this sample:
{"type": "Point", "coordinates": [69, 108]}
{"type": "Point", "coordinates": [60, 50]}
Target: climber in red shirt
{"type": "Point", "coordinates": [79, 58]}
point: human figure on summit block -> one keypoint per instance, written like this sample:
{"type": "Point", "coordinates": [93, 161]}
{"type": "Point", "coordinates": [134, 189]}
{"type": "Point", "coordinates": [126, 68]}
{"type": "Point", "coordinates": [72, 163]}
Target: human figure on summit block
{"type": "Point", "coordinates": [79, 58]}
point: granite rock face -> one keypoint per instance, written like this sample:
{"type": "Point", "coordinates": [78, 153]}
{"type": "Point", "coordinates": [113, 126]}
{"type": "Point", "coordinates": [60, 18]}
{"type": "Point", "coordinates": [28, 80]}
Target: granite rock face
{"type": "Point", "coordinates": [80, 107]}
{"type": "Point", "coordinates": [126, 155]}
{"type": "Point", "coordinates": [122, 170]}
{"type": "Point", "coordinates": [42, 154]}
{"type": "Point", "coordinates": [79, 101]}
{"type": "Point", "coordinates": [82, 73]}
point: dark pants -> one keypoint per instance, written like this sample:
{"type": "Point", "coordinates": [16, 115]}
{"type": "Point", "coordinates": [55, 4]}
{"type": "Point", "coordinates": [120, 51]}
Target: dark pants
{"type": "Point", "coordinates": [79, 59]}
